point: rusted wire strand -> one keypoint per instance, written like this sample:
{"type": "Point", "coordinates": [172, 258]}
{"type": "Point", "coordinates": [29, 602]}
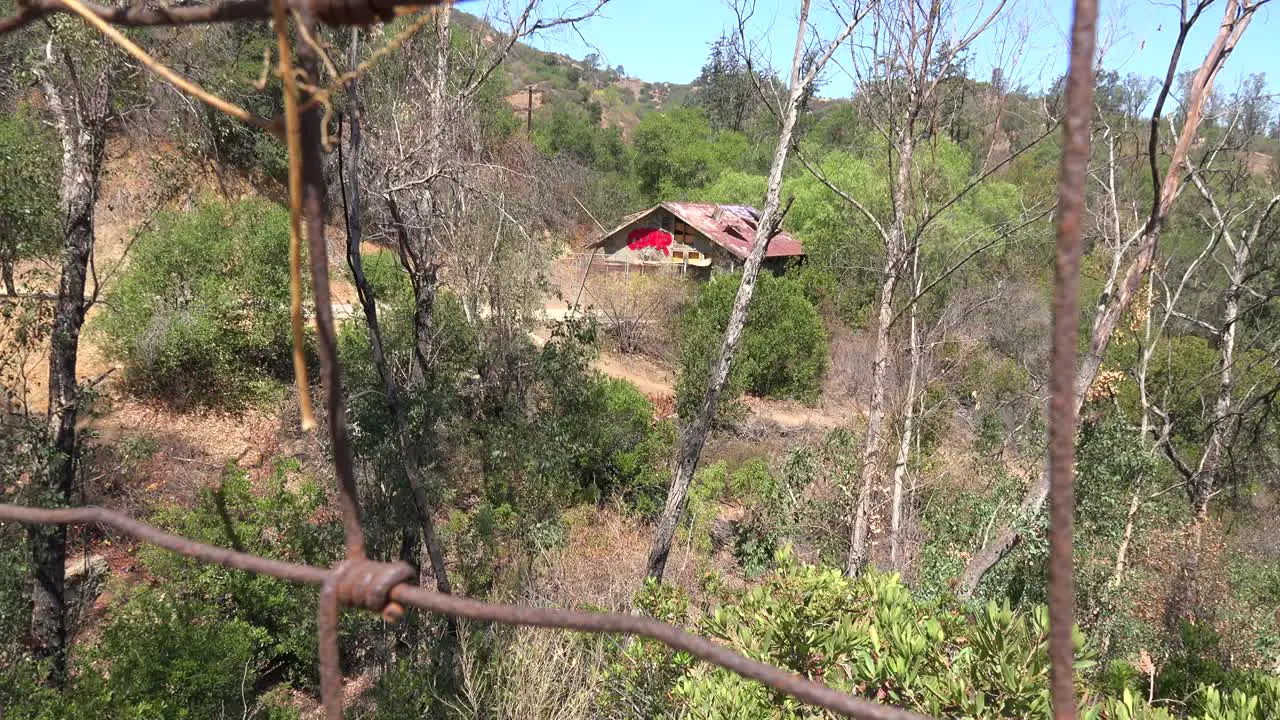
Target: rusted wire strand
{"type": "Point", "coordinates": [293, 144]}
{"type": "Point", "coordinates": [313, 210]}
{"type": "Point", "coordinates": [460, 607]}
{"type": "Point", "coordinates": [169, 76]}
{"type": "Point", "coordinates": [1066, 323]}
{"type": "Point", "coordinates": [331, 12]}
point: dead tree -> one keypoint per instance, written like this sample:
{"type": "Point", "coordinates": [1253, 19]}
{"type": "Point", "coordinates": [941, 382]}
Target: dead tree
{"type": "Point", "coordinates": [409, 459]}
{"type": "Point", "coordinates": [78, 99]}
{"type": "Point", "coordinates": [914, 355]}
{"type": "Point", "coordinates": [693, 437]}
{"type": "Point", "coordinates": [428, 182]}
{"type": "Point", "coordinates": [1206, 477]}
{"type": "Point", "coordinates": [1119, 289]}
{"type": "Point", "coordinates": [907, 59]}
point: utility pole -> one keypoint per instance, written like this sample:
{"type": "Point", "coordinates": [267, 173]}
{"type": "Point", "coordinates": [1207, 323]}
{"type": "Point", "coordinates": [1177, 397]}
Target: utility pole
{"type": "Point", "coordinates": [528, 114]}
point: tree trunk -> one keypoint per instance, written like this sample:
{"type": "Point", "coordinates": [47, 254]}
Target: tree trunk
{"type": "Point", "coordinates": [1122, 551]}
{"type": "Point", "coordinates": [1113, 306]}
{"type": "Point", "coordinates": [877, 418]}
{"type": "Point", "coordinates": [80, 126]}
{"type": "Point", "coordinates": [368, 302]}
{"type": "Point", "coordinates": [1205, 479]}
{"type": "Point", "coordinates": [6, 273]}
{"type": "Point", "coordinates": [694, 436]}
{"type": "Point", "coordinates": [896, 558]}
{"type": "Point", "coordinates": [419, 245]}
{"type": "Point", "coordinates": [876, 426]}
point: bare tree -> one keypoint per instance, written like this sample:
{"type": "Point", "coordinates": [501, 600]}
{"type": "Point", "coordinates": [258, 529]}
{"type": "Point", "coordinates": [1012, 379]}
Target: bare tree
{"type": "Point", "coordinates": [419, 149]}
{"type": "Point", "coordinates": [804, 71]}
{"type": "Point", "coordinates": [914, 354]}
{"type": "Point", "coordinates": [78, 97]}
{"type": "Point", "coordinates": [425, 161]}
{"type": "Point", "coordinates": [638, 309]}
{"type": "Point", "coordinates": [1242, 243]}
{"type": "Point", "coordinates": [899, 73]}
{"type": "Point", "coordinates": [409, 459]}
{"type": "Point", "coordinates": [1120, 288]}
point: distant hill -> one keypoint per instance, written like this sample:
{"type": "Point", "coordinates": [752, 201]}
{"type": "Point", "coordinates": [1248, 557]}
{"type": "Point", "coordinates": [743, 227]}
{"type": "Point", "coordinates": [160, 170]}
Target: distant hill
{"type": "Point", "coordinates": [559, 79]}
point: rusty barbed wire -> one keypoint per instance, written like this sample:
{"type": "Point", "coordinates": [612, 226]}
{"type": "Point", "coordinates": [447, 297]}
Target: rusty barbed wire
{"type": "Point", "coordinates": [330, 12]}
{"type": "Point", "coordinates": [361, 583]}
{"type": "Point", "coordinates": [1066, 325]}
{"type": "Point", "coordinates": [364, 578]}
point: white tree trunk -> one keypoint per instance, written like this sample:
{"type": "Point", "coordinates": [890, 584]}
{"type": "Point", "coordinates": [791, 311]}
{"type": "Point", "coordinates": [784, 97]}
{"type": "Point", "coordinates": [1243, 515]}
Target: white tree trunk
{"type": "Point", "coordinates": [877, 418]}
{"type": "Point", "coordinates": [79, 114]}
{"type": "Point", "coordinates": [694, 436]}
{"type": "Point", "coordinates": [896, 555]}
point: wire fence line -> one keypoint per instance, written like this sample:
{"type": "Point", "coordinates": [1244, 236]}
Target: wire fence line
{"type": "Point", "coordinates": [361, 583]}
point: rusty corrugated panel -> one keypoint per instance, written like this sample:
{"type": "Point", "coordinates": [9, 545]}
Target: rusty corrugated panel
{"type": "Point", "coordinates": [732, 227]}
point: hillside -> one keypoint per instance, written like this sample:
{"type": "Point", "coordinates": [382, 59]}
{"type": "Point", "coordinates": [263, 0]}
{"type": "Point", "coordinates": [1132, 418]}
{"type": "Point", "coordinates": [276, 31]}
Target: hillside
{"type": "Point", "coordinates": [559, 80]}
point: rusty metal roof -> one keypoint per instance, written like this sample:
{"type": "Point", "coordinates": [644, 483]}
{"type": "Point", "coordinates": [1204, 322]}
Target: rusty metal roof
{"type": "Point", "coordinates": [732, 227]}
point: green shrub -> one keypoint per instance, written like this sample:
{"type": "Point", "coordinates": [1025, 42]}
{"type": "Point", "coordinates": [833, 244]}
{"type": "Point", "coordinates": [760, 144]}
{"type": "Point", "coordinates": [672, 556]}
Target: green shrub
{"type": "Point", "coordinates": [200, 640]}
{"type": "Point", "coordinates": [270, 520]}
{"type": "Point", "coordinates": [201, 312]}
{"type": "Point", "coordinates": [89, 695]}
{"type": "Point", "coordinates": [873, 639]}
{"type": "Point", "coordinates": [640, 676]}
{"type": "Point", "coordinates": [590, 439]}
{"type": "Point", "coordinates": [757, 534]}
{"type": "Point", "coordinates": [574, 131]}
{"type": "Point", "coordinates": [676, 151]}
{"type": "Point", "coordinates": [173, 656]}
{"type": "Point", "coordinates": [782, 354]}
{"type": "Point", "coordinates": [636, 448]}
{"type": "Point", "coordinates": [30, 223]}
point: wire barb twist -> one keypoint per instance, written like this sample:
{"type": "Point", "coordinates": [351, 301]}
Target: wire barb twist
{"type": "Point", "coordinates": [358, 583]}
{"type": "Point", "coordinates": [366, 584]}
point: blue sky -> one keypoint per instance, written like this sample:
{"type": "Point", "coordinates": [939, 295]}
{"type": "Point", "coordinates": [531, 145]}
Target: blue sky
{"type": "Point", "coordinates": [667, 40]}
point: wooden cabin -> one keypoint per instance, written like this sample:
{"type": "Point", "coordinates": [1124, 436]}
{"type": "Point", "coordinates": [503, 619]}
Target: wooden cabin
{"type": "Point", "coordinates": [694, 237]}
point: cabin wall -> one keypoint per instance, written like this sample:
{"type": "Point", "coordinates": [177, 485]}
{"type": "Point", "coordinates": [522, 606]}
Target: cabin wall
{"type": "Point", "coordinates": [689, 250]}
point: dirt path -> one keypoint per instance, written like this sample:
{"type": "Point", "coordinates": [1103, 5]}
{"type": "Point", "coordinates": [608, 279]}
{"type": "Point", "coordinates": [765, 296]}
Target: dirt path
{"type": "Point", "coordinates": [650, 377]}
{"type": "Point", "coordinates": [657, 380]}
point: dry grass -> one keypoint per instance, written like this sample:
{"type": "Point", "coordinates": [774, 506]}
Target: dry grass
{"type": "Point", "coordinates": [536, 675]}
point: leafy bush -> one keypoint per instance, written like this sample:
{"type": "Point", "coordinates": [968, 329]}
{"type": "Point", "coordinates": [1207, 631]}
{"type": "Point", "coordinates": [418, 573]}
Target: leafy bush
{"type": "Point", "coordinates": [173, 656]}
{"type": "Point", "coordinates": [29, 218]}
{"type": "Point", "coordinates": [201, 312]}
{"type": "Point", "coordinates": [640, 676]}
{"type": "Point", "coordinates": [270, 520]}
{"type": "Point", "coordinates": [676, 151]}
{"type": "Point", "coordinates": [575, 132]}
{"type": "Point", "coordinates": [636, 448]}
{"type": "Point", "coordinates": [782, 354]}
{"type": "Point", "coordinates": [586, 438]}
{"type": "Point", "coordinates": [733, 186]}
{"type": "Point", "coordinates": [756, 536]}
{"type": "Point", "coordinates": [200, 641]}
{"type": "Point", "coordinates": [872, 638]}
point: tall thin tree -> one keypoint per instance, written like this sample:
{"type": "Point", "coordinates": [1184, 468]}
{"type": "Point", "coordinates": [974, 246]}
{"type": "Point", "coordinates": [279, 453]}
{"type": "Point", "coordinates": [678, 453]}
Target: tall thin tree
{"type": "Point", "coordinates": [804, 71]}
{"type": "Point", "coordinates": [78, 98]}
